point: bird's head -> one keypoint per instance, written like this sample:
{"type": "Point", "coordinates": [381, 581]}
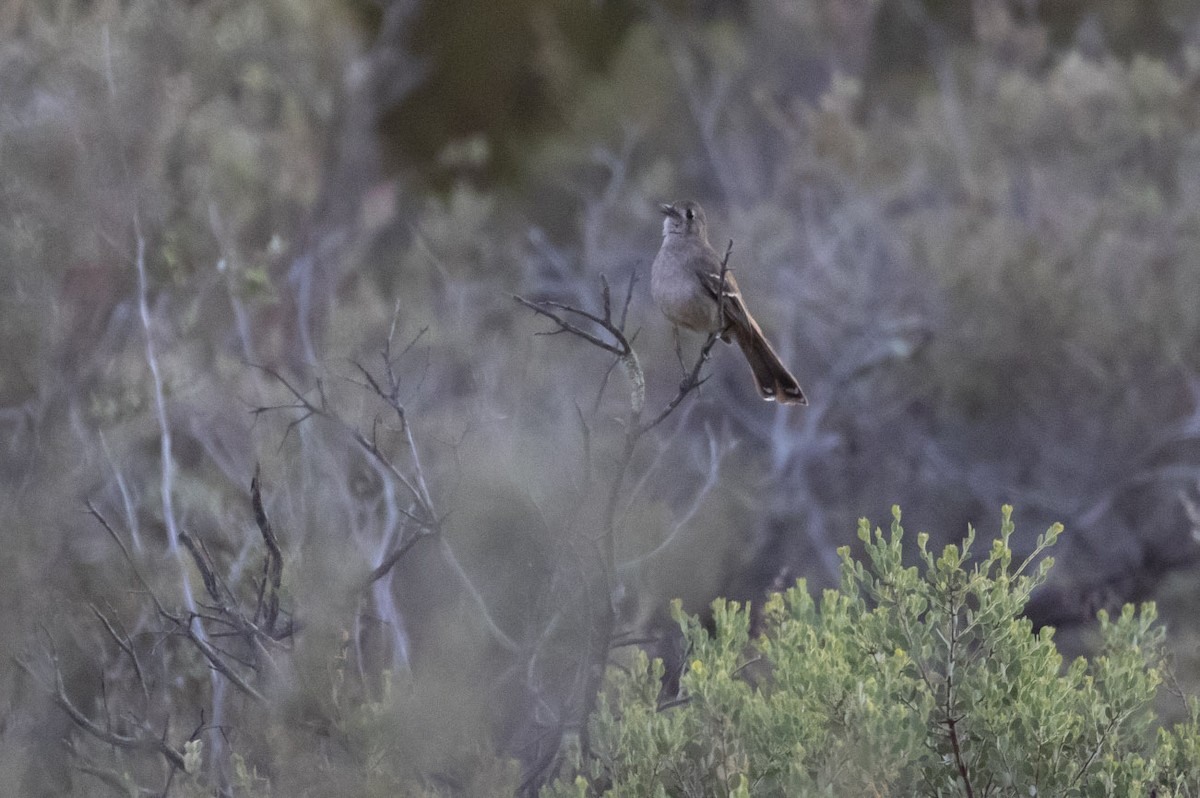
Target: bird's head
{"type": "Point", "coordinates": [685, 217]}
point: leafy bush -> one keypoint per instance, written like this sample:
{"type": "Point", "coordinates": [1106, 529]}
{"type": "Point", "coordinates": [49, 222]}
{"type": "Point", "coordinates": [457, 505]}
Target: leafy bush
{"type": "Point", "coordinates": [906, 681]}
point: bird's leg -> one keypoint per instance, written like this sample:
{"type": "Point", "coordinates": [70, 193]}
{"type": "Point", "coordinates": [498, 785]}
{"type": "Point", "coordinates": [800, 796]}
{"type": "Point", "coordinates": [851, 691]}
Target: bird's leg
{"type": "Point", "coordinates": [679, 351]}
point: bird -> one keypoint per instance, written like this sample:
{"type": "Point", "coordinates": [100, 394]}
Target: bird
{"type": "Point", "coordinates": [685, 282]}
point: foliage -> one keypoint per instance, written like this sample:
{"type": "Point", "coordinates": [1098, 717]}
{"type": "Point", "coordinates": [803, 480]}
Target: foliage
{"type": "Point", "coordinates": [909, 680]}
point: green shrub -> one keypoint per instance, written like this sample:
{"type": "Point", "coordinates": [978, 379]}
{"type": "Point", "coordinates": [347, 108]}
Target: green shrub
{"type": "Point", "coordinates": [906, 681]}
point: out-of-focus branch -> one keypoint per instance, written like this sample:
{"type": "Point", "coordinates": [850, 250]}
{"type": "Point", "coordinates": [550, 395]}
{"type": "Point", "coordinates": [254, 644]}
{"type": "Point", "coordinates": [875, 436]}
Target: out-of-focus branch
{"type": "Point", "coordinates": [225, 610]}
{"type": "Point", "coordinates": [121, 638]}
{"type": "Point", "coordinates": [412, 480]}
{"type": "Point", "coordinates": [144, 740]}
{"type": "Point", "coordinates": [160, 403]}
{"type": "Point", "coordinates": [379, 78]}
{"type": "Point", "coordinates": [308, 409]}
{"type": "Point", "coordinates": [218, 662]}
{"type": "Point", "coordinates": [1073, 601]}
{"type": "Point", "coordinates": [128, 557]}
{"type": "Point", "coordinates": [705, 103]}
{"type": "Point", "coordinates": [267, 608]}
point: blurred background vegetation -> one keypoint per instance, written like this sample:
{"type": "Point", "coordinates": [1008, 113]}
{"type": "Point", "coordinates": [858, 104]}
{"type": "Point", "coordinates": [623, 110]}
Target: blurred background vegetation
{"type": "Point", "coordinates": [973, 229]}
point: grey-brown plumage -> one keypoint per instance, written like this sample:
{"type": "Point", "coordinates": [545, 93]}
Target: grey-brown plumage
{"type": "Point", "coordinates": [685, 283]}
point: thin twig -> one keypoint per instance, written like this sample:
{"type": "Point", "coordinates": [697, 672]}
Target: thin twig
{"type": "Point", "coordinates": [128, 557]}
{"type": "Point", "coordinates": [123, 642]}
{"type": "Point", "coordinates": [691, 382]}
{"type": "Point", "coordinates": [381, 570]}
{"type": "Point", "coordinates": [566, 326]}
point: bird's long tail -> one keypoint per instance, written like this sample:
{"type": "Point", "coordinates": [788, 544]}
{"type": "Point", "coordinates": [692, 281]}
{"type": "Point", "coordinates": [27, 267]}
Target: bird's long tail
{"type": "Point", "coordinates": [775, 382]}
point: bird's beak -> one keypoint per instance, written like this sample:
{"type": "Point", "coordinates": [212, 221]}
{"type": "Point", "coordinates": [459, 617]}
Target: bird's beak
{"type": "Point", "coordinates": [669, 210]}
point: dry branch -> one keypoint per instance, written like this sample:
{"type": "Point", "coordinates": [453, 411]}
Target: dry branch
{"type": "Point", "coordinates": [412, 480]}
{"type": "Point", "coordinates": [610, 337]}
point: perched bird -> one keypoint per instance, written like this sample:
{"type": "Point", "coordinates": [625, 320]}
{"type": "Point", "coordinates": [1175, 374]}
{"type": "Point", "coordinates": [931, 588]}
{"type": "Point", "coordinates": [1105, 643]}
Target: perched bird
{"type": "Point", "coordinates": [685, 282]}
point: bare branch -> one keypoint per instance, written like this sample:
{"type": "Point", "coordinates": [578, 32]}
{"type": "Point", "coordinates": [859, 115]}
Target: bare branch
{"type": "Point", "coordinates": [146, 740]}
{"type": "Point", "coordinates": [203, 566]}
{"type": "Point", "coordinates": [381, 570]}
{"type": "Point", "coordinates": [620, 348]}
{"type": "Point", "coordinates": [416, 486]}
{"type": "Point", "coordinates": [267, 607]}
{"type": "Point", "coordinates": [214, 658]}
{"type": "Point", "coordinates": [691, 382]}
{"type": "Point", "coordinates": [628, 299]}
{"type": "Point", "coordinates": [123, 642]}
{"type": "Point", "coordinates": [166, 458]}
{"type": "Point", "coordinates": [309, 409]}
{"type": "Point", "coordinates": [128, 558]}
{"type": "Point", "coordinates": [590, 669]}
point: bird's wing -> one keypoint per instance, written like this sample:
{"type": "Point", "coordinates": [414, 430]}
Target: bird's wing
{"type": "Point", "coordinates": [710, 279]}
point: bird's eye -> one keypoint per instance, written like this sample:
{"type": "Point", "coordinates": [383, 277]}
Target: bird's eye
{"type": "Point", "coordinates": [689, 213]}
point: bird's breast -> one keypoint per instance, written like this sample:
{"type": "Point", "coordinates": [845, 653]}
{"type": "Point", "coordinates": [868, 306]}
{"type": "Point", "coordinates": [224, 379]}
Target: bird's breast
{"type": "Point", "coordinates": [676, 289]}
